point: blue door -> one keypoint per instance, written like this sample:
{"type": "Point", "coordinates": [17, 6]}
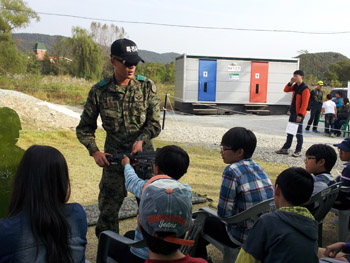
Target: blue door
{"type": "Point", "coordinates": [207, 80]}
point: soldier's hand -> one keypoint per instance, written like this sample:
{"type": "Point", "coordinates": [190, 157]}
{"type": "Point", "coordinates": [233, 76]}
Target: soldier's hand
{"type": "Point", "coordinates": [100, 159]}
{"type": "Point", "coordinates": [125, 160]}
{"type": "Point", "coordinates": [136, 147]}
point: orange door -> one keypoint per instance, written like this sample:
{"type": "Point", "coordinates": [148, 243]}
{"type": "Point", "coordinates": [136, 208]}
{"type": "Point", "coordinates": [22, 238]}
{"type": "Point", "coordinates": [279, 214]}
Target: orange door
{"type": "Point", "coordinates": [258, 82]}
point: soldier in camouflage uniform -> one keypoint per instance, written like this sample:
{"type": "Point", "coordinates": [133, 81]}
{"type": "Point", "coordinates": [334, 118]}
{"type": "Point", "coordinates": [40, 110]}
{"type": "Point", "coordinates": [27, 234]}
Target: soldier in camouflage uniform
{"type": "Point", "coordinates": [129, 109]}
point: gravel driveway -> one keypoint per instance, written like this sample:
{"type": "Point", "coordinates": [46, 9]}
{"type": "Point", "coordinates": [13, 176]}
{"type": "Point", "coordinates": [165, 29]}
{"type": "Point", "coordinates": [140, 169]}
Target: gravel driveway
{"type": "Point", "coordinates": [270, 132]}
{"type": "Point", "coordinates": [190, 129]}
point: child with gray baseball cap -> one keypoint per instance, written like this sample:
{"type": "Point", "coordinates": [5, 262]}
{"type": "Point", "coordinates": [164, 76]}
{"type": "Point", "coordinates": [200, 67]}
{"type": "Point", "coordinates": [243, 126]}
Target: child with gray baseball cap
{"type": "Point", "coordinates": [165, 215]}
{"type": "Point", "coordinates": [170, 161]}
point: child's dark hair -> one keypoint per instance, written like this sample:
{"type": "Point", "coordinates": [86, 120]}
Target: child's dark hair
{"type": "Point", "coordinates": [299, 72]}
{"type": "Point", "coordinates": [296, 185]}
{"type": "Point", "coordinates": [41, 189]}
{"type": "Point", "coordinates": [339, 93]}
{"type": "Point", "coordinates": [157, 244]}
{"type": "Point", "coordinates": [172, 161]}
{"type": "Point", "coordinates": [323, 151]}
{"type": "Point", "coordinates": [240, 138]}
{"type": "Point", "coordinates": [329, 96]}
{"type": "Point", "coordinates": [345, 101]}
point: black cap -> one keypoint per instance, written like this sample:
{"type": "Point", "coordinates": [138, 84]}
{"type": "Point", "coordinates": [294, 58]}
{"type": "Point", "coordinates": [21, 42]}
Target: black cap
{"type": "Point", "coordinates": [127, 50]}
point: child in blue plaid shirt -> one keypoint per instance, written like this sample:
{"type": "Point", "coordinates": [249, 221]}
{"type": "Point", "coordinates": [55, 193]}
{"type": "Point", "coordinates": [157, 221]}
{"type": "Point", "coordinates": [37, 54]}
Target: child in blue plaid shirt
{"type": "Point", "coordinates": [244, 184]}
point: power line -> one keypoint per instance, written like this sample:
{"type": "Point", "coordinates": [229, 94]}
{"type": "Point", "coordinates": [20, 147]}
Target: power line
{"type": "Point", "coordinates": [188, 26]}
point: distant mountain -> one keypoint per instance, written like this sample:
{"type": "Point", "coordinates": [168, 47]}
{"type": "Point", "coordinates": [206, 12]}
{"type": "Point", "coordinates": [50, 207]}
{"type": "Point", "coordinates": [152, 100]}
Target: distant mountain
{"type": "Point", "coordinates": [26, 41]}
{"type": "Point", "coordinates": [150, 56]}
{"type": "Point", "coordinates": [317, 64]}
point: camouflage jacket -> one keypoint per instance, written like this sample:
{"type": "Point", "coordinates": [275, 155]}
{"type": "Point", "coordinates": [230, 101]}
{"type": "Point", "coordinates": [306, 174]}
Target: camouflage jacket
{"type": "Point", "coordinates": [128, 113]}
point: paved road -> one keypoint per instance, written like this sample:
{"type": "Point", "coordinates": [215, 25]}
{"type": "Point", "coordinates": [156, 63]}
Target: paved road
{"type": "Point", "coordinates": [270, 125]}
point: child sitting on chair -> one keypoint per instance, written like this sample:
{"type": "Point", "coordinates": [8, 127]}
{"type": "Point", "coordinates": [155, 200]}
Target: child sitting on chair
{"type": "Point", "coordinates": [165, 215]}
{"type": "Point", "coordinates": [343, 199]}
{"type": "Point", "coordinates": [244, 184]}
{"type": "Point", "coordinates": [319, 161]}
{"type": "Point", "coordinates": [288, 234]}
{"type": "Point", "coordinates": [170, 160]}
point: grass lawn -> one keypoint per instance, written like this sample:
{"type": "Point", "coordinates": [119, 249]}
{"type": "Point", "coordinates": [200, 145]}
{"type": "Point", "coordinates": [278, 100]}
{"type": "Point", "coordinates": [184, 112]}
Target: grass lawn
{"type": "Point", "coordinates": [204, 176]}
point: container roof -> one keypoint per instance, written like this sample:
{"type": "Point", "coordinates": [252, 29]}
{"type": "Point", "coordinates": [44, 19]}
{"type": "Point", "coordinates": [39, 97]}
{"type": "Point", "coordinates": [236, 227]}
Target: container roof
{"type": "Point", "coordinates": [292, 60]}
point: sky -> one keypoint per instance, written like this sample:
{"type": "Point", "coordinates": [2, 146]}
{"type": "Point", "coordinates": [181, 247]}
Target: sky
{"type": "Point", "coordinates": [298, 15]}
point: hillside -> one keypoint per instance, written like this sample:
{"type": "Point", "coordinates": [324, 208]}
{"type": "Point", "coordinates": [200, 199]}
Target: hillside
{"type": "Point", "coordinates": [26, 41]}
{"type": "Point", "coordinates": [317, 64]}
{"type": "Point", "coordinates": [149, 56]}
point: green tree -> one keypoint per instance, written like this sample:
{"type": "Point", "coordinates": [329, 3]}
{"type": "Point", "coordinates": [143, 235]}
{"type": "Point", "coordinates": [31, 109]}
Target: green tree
{"type": "Point", "coordinates": [15, 14]}
{"type": "Point", "coordinates": [107, 66]}
{"type": "Point", "coordinates": [33, 65]}
{"type": "Point", "coordinates": [310, 80]}
{"type": "Point", "coordinates": [159, 73]}
{"type": "Point", "coordinates": [47, 67]}
{"type": "Point", "coordinates": [86, 54]}
{"type": "Point", "coordinates": [317, 64]}
{"type": "Point", "coordinates": [60, 52]}
{"type": "Point", "coordinates": [341, 69]}
{"type": "Point", "coordinates": [170, 73]}
{"type": "Point", "coordinates": [11, 61]}
{"type": "Point", "coordinates": [330, 76]}
{"type": "Point", "coordinates": [336, 83]}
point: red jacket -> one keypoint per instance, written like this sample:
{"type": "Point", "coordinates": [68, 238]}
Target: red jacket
{"type": "Point", "coordinates": [302, 96]}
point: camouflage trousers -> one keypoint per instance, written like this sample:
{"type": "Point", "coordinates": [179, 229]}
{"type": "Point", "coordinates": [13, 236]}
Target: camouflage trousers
{"type": "Point", "coordinates": [110, 199]}
{"type": "Point", "coordinates": [112, 193]}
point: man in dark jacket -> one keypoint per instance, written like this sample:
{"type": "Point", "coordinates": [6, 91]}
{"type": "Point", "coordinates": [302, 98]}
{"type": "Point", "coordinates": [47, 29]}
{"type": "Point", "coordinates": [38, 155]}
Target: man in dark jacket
{"type": "Point", "coordinates": [298, 107]}
{"type": "Point", "coordinates": [316, 97]}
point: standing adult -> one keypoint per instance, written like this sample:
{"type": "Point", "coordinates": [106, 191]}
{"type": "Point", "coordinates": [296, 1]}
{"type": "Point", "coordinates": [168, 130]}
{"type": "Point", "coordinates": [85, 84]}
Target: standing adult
{"type": "Point", "coordinates": [329, 110]}
{"type": "Point", "coordinates": [316, 97]}
{"type": "Point", "coordinates": [129, 109]}
{"type": "Point", "coordinates": [298, 107]}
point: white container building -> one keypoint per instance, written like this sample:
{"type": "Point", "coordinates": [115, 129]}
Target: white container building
{"type": "Point", "coordinates": [223, 85]}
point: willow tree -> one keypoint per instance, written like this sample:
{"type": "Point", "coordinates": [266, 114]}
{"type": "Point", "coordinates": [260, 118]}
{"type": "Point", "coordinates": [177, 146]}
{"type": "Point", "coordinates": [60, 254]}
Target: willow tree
{"type": "Point", "coordinates": [15, 14]}
{"type": "Point", "coordinates": [86, 54]}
